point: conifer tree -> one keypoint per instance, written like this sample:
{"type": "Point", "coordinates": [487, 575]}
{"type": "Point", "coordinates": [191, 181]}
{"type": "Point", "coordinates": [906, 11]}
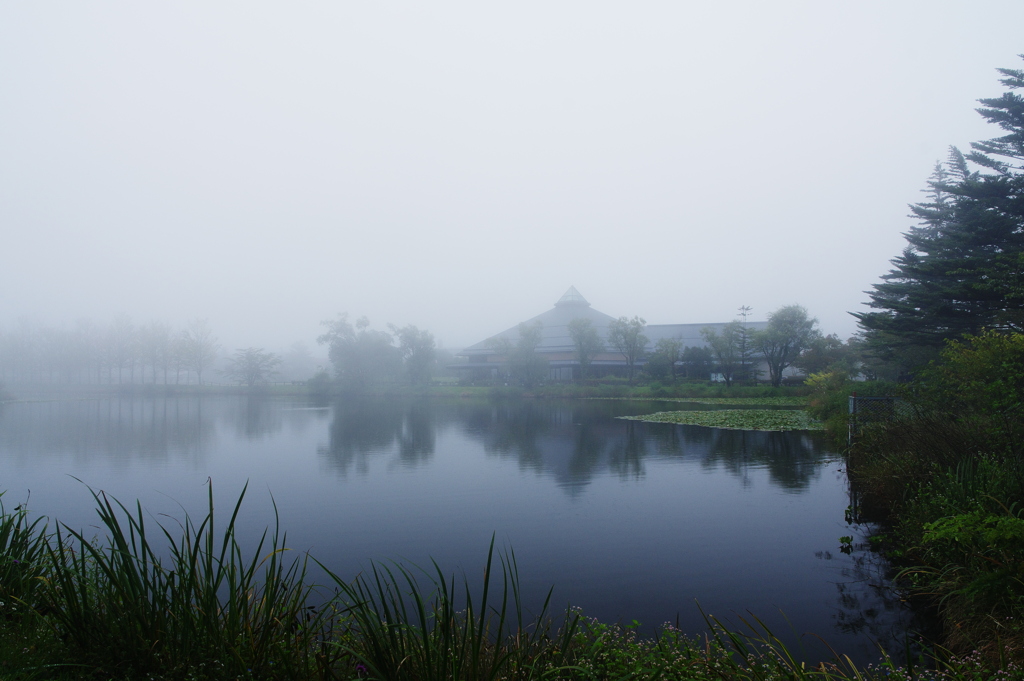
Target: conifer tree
{"type": "Point", "coordinates": [963, 269]}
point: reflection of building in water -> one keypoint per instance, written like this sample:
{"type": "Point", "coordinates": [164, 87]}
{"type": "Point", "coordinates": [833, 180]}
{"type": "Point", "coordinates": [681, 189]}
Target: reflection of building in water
{"type": "Point", "coordinates": [574, 443]}
{"type": "Point", "coordinates": [556, 346]}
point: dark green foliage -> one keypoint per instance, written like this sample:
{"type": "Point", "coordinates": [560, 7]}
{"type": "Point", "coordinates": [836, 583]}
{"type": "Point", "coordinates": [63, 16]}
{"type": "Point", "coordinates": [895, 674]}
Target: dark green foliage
{"type": "Point", "coordinates": [726, 349]}
{"type": "Point", "coordinates": [829, 400]}
{"type": "Point", "coordinates": [982, 376]}
{"type": "Point", "coordinates": [207, 609]}
{"type": "Point", "coordinates": [662, 362]}
{"type": "Point", "coordinates": [790, 331]}
{"type": "Point", "coordinates": [22, 559]}
{"type": "Point", "coordinates": [697, 362]}
{"type": "Point", "coordinates": [949, 477]}
{"type": "Point", "coordinates": [961, 272]}
{"type": "Point", "coordinates": [828, 353]}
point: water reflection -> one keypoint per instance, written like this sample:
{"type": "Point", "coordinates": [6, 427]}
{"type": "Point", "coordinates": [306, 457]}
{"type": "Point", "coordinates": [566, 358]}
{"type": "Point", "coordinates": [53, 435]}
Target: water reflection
{"type": "Point", "coordinates": [363, 428]}
{"type": "Point", "coordinates": [706, 519]}
{"type": "Point", "coordinates": [793, 459]}
{"type": "Point", "coordinates": [574, 442]}
{"type": "Point", "coordinates": [152, 429]}
{"type": "Point", "coordinates": [121, 429]}
{"type": "Point", "coordinates": [868, 606]}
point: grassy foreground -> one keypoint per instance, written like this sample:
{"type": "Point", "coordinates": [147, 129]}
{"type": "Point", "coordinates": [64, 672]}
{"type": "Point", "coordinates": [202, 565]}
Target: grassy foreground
{"type": "Point", "coordinates": [186, 601]}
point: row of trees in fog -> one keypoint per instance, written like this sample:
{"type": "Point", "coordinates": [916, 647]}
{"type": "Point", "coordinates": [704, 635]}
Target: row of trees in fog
{"type": "Point", "coordinates": [118, 352]}
{"type": "Point", "coordinates": [123, 352]}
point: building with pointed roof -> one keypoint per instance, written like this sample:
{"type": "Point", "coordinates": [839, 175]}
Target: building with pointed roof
{"type": "Point", "coordinates": [557, 347]}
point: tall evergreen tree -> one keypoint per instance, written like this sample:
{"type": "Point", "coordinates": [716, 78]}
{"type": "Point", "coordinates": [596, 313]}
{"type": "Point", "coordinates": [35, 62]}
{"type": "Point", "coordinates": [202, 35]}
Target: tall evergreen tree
{"type": "Point", "coordinates": [963, 268]}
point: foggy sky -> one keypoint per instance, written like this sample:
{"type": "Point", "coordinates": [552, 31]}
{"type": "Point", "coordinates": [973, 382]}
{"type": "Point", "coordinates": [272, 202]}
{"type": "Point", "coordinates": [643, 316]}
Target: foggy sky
{"type": "Point", "coordinates": [458, 166]}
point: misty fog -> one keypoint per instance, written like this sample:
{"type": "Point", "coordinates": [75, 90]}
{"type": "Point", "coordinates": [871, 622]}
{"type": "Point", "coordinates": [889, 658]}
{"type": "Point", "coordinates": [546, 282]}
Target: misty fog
{"type": "Point", "coordinates": [456, 167]}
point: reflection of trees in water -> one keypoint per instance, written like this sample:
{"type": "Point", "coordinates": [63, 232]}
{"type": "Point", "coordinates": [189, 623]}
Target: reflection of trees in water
{"type": "Point", "coordinates": [587, 454]}
{"type": "Point", "coordinates": [119, 428]}
{"type": "Point", "coordinates": [153, 428]}
{"type": "Point", "coordinates": [868, 606]}
{"type": "Point", "coordinates": [514, 429]}
{"type": "Point", "coordinates": [626, 456]}
{"type": "Point", "coordinates": [362, 428]}
{"type": "Point", "coordinates": [792, 458]}
{"type": "Point", "coordinates": [576, 441]}
{"type": "Point", "coordinates": [255, 416]}
{"type": "Point", "coordinates": [416, 441]}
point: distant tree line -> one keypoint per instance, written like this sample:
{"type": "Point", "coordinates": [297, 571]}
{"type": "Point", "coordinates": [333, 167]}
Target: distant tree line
{"type": "Point", "coordinates": [116, 353]}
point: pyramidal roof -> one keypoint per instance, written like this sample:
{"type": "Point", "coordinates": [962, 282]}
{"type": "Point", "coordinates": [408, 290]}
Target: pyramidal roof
{"type": "Point", "coordinates": [555, 325]}
{"type": "Point", "coordinates": [572, 297]}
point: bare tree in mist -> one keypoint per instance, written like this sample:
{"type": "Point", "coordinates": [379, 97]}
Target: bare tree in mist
{"type": "Point", "coordinates": [252, 366]}
{"type": "Point", "coordinates": [200, 347]}
{"type": "Point", "coordinates": [121, 339]}
{"type": "Point", "coordinates": [155, 341]}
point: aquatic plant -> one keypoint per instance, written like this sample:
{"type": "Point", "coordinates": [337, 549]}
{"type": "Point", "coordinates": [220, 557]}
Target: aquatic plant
{"type": "Point", "coordinates": [735, 419]}
{"type": "Point", "coordinates": [778, 401]}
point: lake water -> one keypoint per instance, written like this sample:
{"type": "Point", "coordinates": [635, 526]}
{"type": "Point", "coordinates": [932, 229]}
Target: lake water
{"type": "Point", "coordinates": [627, 520]}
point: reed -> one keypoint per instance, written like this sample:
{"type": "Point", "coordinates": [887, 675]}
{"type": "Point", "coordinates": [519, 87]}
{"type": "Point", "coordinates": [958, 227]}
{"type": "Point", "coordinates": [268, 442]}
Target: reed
{"type": "Point", "coordinates": [207, 609]}
{"type": "Point", "coordinates": [23, 558]}
{"type": "Point", "coordinates": [412, 623]}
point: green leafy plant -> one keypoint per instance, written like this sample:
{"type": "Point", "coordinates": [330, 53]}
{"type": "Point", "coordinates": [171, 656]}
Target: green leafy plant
{"type": "Point", "coordinates": [23, 556]}
{"type": "Point", "coordinates": [130, 610]}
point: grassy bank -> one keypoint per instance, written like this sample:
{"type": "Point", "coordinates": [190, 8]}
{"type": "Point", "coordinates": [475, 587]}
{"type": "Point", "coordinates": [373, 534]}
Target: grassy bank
{"type": "Point", "coordinates": [946, 477]}
{"type": "Point", "coordinates": [186, 601]}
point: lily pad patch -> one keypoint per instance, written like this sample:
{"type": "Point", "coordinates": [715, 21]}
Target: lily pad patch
{"type": "Point", "coordinates": [736, 419]}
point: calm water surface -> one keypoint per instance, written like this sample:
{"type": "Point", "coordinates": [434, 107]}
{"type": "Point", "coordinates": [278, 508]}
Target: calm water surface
{"type": "Point", "coordinates": [628, 520]}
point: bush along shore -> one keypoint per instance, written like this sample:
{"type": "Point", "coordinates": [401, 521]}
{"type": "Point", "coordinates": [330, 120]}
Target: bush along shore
{"type": "Point", "coordinates": [186, 601]}
{"type": "Point", "coordinates": [944, 474]}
